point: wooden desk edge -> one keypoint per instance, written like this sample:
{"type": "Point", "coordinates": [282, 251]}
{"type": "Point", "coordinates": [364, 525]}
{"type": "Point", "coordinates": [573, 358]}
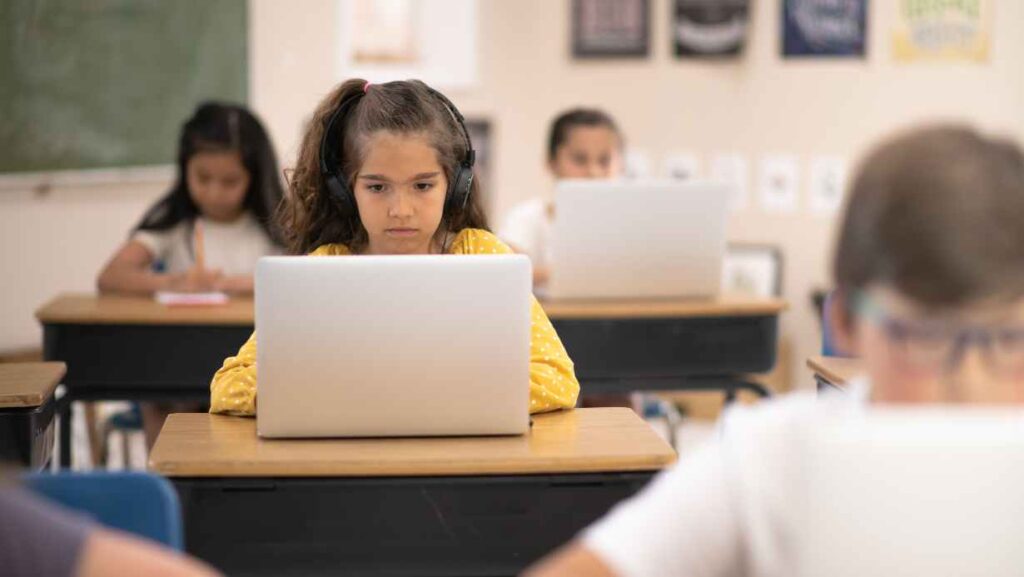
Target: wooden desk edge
{"type": "Point", "coordinates": [33, 400]}
{"type": "Point", "coordinates": [236, 313]}
{"type": "Point", "coordinates": [819, 365]}
{"type": "Point", "coordinates": [652, 464]}
{"type": "Point", "coordinates": [607, 309]}
{"type": "Point", "coordinates": [82, 308]}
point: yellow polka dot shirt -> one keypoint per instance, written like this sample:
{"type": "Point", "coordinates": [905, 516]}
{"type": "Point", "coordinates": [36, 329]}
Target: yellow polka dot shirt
{"type": "Point", "coordinates": [553, 383]}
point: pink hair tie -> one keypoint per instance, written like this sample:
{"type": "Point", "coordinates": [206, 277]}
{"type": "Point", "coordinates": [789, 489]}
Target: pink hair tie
{"type": "Point", "coordinates": [366, 86]}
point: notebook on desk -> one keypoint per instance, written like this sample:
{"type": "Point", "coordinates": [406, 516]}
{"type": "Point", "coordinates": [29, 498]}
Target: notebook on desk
{"type": "Point", "coordinates": [178, 299]}
{"type": "Point", "coordinates": [635, 239]}
{"type": "Point", "coordinates": [382, 346]}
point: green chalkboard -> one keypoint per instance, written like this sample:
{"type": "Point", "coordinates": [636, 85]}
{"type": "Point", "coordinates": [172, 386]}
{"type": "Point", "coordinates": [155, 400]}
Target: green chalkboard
{"type": "Point", "coordinates": [108, 83]}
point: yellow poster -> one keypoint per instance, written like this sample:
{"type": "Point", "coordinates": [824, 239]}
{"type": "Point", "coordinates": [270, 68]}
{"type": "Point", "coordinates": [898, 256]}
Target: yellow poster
{"type": "Point", "coordinates": [942, 30]}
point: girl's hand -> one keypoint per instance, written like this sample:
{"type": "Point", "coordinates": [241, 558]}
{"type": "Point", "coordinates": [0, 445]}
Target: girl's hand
{"type": "Point", "coordinates": [196, 280]}
{"type": "Point", "coordinates": [237, 284]}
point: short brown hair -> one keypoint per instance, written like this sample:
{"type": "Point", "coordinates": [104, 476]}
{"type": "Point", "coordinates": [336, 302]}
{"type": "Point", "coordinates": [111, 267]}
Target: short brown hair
{"type": "Point", "coordinates": [309, 217]}
{"type": "Point", "coordinates": [938, 214]}
{"type": "Point", "coordinates": [563, 124]}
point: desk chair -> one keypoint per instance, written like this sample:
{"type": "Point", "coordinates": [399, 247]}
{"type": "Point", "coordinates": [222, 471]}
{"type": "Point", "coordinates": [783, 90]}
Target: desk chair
{"type": "Point", "coordinates": [829, 348]}
{"type": "Point", "coordinates": [139, 503]}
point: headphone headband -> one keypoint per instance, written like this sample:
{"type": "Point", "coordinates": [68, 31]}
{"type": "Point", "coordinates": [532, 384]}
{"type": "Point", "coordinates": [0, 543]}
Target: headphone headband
{"type": "Point", "coordinates": [462, 179]}
{"type": "Point", "coordinates": [470, 159]}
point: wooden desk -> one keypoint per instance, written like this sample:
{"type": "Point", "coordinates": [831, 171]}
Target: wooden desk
{"type": "Point", "coordinates": [26, 411]}
{"type": "Point", "coordinates": [133, 348]}
{"type": "Point", "coordinates": [834, 372]}
{"type": "Point", "coordinates": [435, 506]}
{"type": "Point", "coordinates": [691, 344]}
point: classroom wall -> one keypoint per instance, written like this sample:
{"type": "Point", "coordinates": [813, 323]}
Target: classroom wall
{"type": "Point", "coordinates": [757, 105]}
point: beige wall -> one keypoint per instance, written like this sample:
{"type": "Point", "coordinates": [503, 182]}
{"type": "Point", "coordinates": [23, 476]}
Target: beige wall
{"type": "Point", "coordinates": [757, 105]}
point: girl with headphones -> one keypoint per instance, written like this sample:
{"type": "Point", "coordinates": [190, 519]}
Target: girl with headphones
{"type": "Point", "coordinates": [388, 169]}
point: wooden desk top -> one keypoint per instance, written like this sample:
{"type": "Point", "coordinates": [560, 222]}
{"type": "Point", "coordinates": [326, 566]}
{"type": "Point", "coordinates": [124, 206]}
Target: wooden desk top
{"type": "Point", "coordinates": [836, 370]}
{"type": "Point", "coordinates": [579, 441]}
{"type": "Point", "coordinates": [137, 310]}
{"type": "Point", "coordinates": [726, 305]}
{"type": "Point", "coordinates": [27, 385]}
{"type": "Point", "coordinates": [114, 309]}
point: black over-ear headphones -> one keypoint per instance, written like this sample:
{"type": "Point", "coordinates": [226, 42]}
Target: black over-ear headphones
{"type": "Point", "coordinates": [457, 196]}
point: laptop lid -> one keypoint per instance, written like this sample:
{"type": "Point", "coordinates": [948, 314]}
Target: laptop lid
{"type": "Point", "coordinates": [393, 345]}
{"type": "Point", "coordinates": [636, 239]}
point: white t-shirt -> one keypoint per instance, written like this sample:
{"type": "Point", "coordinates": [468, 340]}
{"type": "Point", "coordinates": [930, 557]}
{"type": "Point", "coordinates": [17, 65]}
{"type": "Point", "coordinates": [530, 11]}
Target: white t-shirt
{"type": "Point", "coordinates": [527, 228]}
{"type": "Point", "coordinates": [727, 509]}
{"type": "Point", "coordinates": [232, 247]}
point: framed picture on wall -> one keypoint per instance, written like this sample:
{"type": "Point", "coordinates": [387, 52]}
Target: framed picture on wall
{"type": "Point", "coordinates": [383, 40]}
{"type": "Point", "coordinates": [610, 28]}
{"type": "Point", "coordinates": [815, 28]}
{"type": "Point", "coordinates": [710, 28]}
{"type": "Point", "coordinates": [941, 31]}
{"type": "Point", "coordinates": [752, 269]}
{"type": "Point", "coordinates": [481, 136]}
{"type": "Point", "coordinates": [385, 33]}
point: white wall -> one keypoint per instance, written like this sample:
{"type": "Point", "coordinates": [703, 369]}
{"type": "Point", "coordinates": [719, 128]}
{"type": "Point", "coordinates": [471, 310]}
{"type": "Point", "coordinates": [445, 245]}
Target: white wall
{"type": "Point", "coordinates": [756, 105]}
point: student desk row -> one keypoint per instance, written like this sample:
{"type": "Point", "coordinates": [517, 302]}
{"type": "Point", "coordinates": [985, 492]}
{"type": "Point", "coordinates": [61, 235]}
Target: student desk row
{"type": "Point", "coordinates": [26, 412]}
{"type": "Point", "coordinates": [408, 506]}
{"type": "Point", "coordinates": [834, 372]}
{"type": "Point", "coordinates": [135, 349]}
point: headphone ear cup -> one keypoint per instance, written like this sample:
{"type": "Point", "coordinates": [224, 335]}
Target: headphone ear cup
{"type": "Point", "coordinates": [341, 195]}
{"type": "Point", "coordinates": [463, 185]}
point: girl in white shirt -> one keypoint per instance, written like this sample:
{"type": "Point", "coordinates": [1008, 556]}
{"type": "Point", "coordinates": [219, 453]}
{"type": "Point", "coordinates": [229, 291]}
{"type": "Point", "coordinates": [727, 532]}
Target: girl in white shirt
{"type": "Point", "coordinates": [929, 271]}
{"type": "Point", "coordinates": [583, 143]}
{"type": "Point", "coordinates": [225, 195]}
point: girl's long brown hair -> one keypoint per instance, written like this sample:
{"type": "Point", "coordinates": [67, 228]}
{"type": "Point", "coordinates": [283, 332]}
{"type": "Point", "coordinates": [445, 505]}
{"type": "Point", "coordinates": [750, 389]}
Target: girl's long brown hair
{"type": "Point", "coordinates": [310, 218]}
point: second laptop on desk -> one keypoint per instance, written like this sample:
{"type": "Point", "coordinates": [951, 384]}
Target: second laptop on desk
{"type": "Point", "coordinates": [636, 239]}
{"type": "Point", "coordinates": [393, 345]}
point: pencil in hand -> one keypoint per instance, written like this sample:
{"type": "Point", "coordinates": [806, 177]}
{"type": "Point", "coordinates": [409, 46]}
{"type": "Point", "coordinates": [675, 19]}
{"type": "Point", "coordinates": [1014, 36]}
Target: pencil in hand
{"type": "Point", "coordinates": [198, 245]}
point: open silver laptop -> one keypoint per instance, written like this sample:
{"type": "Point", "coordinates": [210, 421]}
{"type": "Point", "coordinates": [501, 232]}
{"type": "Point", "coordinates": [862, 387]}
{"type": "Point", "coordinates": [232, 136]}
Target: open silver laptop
{"type": "Point", "coordinates": [393, 345]}
{"type": "Point", "coordinates": [915, 492]}
{"type": "Point", "coordinates": [635, 239]}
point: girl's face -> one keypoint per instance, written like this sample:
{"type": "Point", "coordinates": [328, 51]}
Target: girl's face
{"type": "Point", "coordinates": [217, 183]}
{"type": "Point", "coordinates": [588, 152]}
{"type": "Point", "coordinates": [973, 354]}
{"type": "Point", "coordinates": [400, 192]}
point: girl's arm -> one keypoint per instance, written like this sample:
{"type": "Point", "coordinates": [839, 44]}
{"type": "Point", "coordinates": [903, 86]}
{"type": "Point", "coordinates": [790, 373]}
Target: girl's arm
{"type": "Point", "coordinates": [573, 560]}
{"type": "Point", "coordinates": [553, 383]}
{"type": "Point", "coordinates": [114, 554]}
{"type": "Point", "coordinates": [130, 271]}
{"type": "Point", "coordinates": [237, 284]}
{"type": "Point", "coordinates": [541, 274]}
{"type": "Point", "coordinates": [233, 389]}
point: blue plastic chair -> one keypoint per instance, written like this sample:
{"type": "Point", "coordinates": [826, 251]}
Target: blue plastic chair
{"type": "Point", "coordinates": [139, 503]}
{"type": "Point", "coordinates": [828, 346]}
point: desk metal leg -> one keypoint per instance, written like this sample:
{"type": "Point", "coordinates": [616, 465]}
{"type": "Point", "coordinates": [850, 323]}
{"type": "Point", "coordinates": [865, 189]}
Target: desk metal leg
{"type": "Point", "coordinates": [65, 432]}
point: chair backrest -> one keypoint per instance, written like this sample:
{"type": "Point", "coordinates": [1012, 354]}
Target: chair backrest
{"type": "Point", "coordinates": [139, 503]}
